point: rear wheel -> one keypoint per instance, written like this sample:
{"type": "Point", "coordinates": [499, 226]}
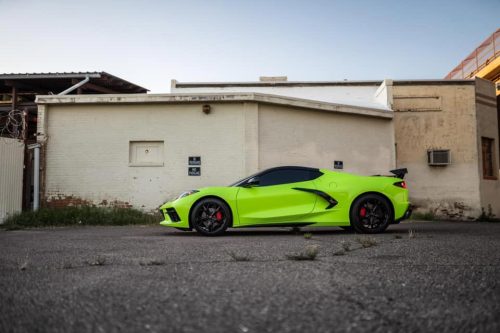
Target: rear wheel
{"type": "Point", "coordinates": [211, 217]}
{"type": "Point", "coordinates": [371, 214]}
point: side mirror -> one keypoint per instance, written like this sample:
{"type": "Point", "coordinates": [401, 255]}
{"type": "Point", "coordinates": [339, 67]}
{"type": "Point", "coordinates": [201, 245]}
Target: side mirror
{"type": "Point", "coordinates": [254, 181]}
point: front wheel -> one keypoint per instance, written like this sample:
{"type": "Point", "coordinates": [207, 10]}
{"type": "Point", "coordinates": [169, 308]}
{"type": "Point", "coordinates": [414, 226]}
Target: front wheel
{"type": "Point", "coordinates": [210, 216]}
{"type": "Point", "coordinates": [371, 214]}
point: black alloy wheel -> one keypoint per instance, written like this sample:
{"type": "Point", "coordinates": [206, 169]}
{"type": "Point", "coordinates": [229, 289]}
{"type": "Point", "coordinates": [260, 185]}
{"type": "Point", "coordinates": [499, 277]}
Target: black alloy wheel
{"type": "Point", "coordinates": [371, 214]}
{"type": "Point", "coordinates": [210, 217]}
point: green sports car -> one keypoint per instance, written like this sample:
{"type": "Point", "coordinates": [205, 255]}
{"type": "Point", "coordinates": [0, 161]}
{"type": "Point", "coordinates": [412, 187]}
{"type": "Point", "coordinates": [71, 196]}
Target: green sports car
{"type": "Point", "coordinates": [294, 197]}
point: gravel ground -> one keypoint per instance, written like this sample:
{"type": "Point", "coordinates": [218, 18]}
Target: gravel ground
{"type": "Point", "coordinates": [443, 276]}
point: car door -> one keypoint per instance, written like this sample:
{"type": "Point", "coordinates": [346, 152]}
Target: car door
{"type": "Point", "coordinates": [278, 197]}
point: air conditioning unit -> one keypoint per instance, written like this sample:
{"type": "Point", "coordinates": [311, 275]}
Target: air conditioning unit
{"type": "Point", "coordinates": [438, 157]}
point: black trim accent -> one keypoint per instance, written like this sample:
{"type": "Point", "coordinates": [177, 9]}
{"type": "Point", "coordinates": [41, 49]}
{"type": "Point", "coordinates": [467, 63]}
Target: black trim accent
{"type": "Point", "coordinates": [274, 225]}
{"type": "Point", "coordinates": [332, 202]}
{"type": "Point", "coordinates": [172, 214]}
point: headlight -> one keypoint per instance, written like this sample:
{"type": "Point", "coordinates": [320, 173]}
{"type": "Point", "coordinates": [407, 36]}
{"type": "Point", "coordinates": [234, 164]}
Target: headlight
{"type": "Point", "coordinates": [185, 194]}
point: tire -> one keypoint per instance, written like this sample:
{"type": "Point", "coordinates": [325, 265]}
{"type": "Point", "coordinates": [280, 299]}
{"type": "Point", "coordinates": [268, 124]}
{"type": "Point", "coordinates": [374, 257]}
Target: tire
{"type": "Point", "coordinates": [371, 214]}
{"type": "Point", "coordinates": [210, 217]}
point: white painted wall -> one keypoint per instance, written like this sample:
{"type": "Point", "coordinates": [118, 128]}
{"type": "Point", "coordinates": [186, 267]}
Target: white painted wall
{"type": "Point", "coordinates": [11, 176]}
{"type": "Point", "coordinates": [87, 151]}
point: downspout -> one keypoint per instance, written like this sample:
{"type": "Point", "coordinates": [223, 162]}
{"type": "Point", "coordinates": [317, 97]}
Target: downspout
{"type": "Point", "coordinates": [36, 175]}
{"type": "Point", "coordinates": [76, 86]}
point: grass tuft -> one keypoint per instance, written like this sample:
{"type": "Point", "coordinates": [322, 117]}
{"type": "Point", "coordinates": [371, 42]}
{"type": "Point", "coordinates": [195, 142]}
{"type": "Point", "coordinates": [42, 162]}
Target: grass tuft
{"type": "Point", "coordinates": [309, 253]}
{"type": "Point", "coordinates": [23, 266]}
{"type": "Point", "coordinates": [154, 262]}
{"type": "Point", "coordinates": [97, 261]}
{"type": "Point", "coordinates": [346, 246]}
{"type": "Point", "coordinates": [238, 257]}
{"type": "Point", "coordinates": [308, 235]}
{"type": "Point", "coordinates": [412, 234]}
{"type": "Point", "coordinates": [67, 265]}
{"type": "Point", "coordinates": [84, 215]}
{"type": "Point", "coordinates": [366, 241]}
{"type": "Point", "coordinates": [427, 216]}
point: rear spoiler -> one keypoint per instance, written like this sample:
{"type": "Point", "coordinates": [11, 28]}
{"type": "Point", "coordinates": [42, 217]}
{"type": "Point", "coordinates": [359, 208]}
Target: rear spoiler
{"type": "Point", "coordinates": [400, 173]}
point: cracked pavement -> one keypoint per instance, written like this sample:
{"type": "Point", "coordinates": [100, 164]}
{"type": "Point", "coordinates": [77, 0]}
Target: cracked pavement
{"type": "Point", "coordinates": [154, 279]}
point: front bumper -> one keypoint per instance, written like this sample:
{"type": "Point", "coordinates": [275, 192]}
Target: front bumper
{"type": "Point", "coordinates": [175, 217]}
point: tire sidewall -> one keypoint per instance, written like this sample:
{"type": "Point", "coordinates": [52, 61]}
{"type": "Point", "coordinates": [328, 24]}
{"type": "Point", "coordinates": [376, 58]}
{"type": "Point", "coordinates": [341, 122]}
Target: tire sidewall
{"type": "Point", "coordinates": [355, 220]}
{"type": "Point", "coordinates": [222, 204]}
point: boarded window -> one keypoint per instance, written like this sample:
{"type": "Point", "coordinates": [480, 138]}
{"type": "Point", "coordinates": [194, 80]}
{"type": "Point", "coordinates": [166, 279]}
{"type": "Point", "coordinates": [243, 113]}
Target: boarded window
{"type": "Point", "coordinates": [488, 158]}
{"type": "Point", "coordinates": [146, 153]}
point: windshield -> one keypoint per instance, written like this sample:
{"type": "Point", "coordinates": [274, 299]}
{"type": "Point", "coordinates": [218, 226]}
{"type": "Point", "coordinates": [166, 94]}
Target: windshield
{"type": "Point", "coordinates": [244, 180]}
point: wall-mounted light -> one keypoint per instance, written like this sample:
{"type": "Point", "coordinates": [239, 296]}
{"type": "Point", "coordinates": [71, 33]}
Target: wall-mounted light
{"type": "Point", "coordinates": [206, 109]}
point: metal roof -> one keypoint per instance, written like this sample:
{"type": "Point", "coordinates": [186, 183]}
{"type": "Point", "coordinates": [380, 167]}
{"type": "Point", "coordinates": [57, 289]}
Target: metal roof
{"type": "Point", "coordinates": [58, 81]}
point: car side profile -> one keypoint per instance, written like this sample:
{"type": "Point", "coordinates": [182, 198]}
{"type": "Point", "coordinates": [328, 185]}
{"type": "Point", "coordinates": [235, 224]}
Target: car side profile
{"type": "Point", "coordinates": [293, 196]}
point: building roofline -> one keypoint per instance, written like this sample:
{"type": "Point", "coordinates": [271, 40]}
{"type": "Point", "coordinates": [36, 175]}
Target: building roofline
{"type": "Point", "coordinates": [176, 84]}
{"type": "Point", "coordinates": [66, 75]}
{"type": "Point", "coordinates": [214, 98]}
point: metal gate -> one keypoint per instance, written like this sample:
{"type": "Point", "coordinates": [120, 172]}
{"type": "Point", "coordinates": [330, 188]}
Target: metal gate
{"type": "Point", "coordinates": [11, 176]}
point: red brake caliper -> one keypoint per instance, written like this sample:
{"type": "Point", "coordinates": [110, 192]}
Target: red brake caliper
{"type": "Point", "coordinates": [218, 216]}
{"type": "Point", "coordinates": [362, 212]}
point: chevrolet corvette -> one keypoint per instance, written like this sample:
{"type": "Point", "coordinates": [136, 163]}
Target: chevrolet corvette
{"type": "Point", "coordinates": [292, 196]}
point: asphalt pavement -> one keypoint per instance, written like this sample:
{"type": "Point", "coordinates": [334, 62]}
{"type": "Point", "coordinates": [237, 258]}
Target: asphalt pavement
{"type": "Point", "coordinates": [416, 277]}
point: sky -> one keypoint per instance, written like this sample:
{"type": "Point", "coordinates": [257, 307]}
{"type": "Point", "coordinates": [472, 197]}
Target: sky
{"type": "Point", "coordinates": [151, 42]}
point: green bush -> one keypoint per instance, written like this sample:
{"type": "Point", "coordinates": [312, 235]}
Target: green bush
{"type": "Point", "coordinates": [84, 215]}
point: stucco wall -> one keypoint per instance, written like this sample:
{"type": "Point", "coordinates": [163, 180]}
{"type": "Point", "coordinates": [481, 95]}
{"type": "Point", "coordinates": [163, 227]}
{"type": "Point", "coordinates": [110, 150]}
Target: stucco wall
{"type": "Point", "coordinates": [293, 136]}
{"type": "Point", "coordinates": [487, 126]}
{"type": "Point", "coordinates": [87, 151]}
{"type": "Point", "coordinates": [439, 117]}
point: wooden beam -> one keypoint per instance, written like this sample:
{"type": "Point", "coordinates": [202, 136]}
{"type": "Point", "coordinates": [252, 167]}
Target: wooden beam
{"type": "Point", "coordinates": [14, 97]}
{"type": "Point", "coordinates": [25, 86]}
{"type": "Point", "coordinates": [104, 90]}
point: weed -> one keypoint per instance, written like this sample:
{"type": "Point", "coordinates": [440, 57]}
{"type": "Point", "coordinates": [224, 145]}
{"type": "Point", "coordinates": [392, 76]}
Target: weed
{"type": "Point", "coordinates": [346, 246]}
{"type": "Point", "coordinates": [237, 257]}
{"type": "Point", "coordinates": [67, 265]}
{"type": "Point", "coordinates": [412, 234]}
{"type": "Point", "coordinates": [153, 262]}
{"type": "Point", "coordinates": [308, 235]}
{"type": "Point", "coordinates": [487, 216]}
{"type": "Point", "coordinates": [366, 241]}
{"type": "Point", "coordinates": [97, 261]}
{"type": "Point", "coordinates": [23, 266]}
{"type": "Point", "coordinates": [309, 253]}
{"type": "Point", "coordinates": [427, 216]}
{"type": "Point", "coordinates": [84, 215]}
{"type": "Point", "coordinates": [398, 236]}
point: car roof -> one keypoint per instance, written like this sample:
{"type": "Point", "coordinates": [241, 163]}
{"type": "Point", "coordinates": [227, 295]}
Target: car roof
{"type": "Point", "coordinates": [294, 167]}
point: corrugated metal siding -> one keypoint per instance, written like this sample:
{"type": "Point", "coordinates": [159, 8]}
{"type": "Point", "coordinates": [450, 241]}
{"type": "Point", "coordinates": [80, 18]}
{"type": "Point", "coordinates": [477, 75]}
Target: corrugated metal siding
{"type": "Point", "coordinates": [11, 176]}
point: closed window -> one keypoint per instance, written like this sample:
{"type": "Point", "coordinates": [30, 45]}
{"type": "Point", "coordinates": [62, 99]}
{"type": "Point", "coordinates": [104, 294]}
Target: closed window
{"type": "Point", "coordinates": [146, 153]}
{"type": "Point", "coordinates": [489, 171]}
{"type": "Point", "coordinates": [286, 176]}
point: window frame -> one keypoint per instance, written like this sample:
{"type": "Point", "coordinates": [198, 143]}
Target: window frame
{"type": "Point", "coordinates": [488, 163]}
{"type": "Point", "coordinates": [244, 181]}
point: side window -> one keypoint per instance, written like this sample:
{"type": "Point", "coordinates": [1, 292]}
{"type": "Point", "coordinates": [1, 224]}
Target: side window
{"type": "Point", "coordinates": [286, 176]}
